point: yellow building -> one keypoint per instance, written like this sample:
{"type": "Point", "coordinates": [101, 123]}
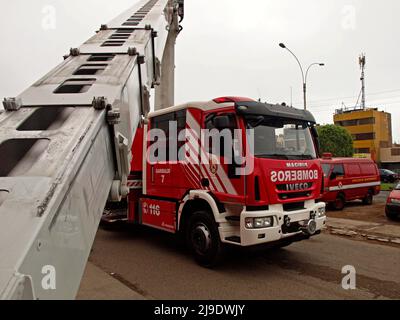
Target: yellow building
{"type": "Point", "coordinates": [371, 130]}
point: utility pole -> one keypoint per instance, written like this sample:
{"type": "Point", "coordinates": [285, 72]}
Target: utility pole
{"type": "Point", "coordinates": [362, 61]}
{"type": "Point", "coordinates": [291, 96]}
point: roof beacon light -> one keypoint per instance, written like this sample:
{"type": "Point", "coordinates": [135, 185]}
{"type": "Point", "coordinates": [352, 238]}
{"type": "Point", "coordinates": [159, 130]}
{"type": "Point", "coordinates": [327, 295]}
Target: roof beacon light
{"type": "Point", "coordinates": [327, 155]}
{"type": "Point", "coordinates": [232, 99]}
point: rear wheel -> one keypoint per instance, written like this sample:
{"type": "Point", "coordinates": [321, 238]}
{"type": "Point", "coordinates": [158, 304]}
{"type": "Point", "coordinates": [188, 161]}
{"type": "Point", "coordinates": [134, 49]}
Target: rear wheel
{"type": "Point", "coordinates": [369, 199]}
{"type": "Point", "coordinates": [203, 239]}
{"type": "Point", "coordinates": [339, 203]}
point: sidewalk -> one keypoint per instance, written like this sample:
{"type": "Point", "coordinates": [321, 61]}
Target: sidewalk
{"type": "Point", "coordinates": [99, 285]}
{"type": "Point", "coordinates": [386, 233]}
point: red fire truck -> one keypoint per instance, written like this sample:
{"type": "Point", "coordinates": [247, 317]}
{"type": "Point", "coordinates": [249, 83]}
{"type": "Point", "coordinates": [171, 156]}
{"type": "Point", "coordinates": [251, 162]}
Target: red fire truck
{"type": "Point", "coordinates": [348, 179]}
{"type": "Point", "coordinates": [268, 196]}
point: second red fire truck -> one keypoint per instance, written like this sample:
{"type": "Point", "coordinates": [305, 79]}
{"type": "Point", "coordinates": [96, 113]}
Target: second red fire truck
{"type": "Point", "coordinates": [183, 181]}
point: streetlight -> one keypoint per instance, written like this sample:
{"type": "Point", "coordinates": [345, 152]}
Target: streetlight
{"type": "Point", "coordinates": [304, 76]}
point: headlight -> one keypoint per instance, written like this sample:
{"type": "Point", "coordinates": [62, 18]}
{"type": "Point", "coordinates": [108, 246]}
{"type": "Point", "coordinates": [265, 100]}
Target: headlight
{"type": "Point", "coordinates": [396, 201]}
{"type": "Point", "coordinates": [259, 223]}
{"type": "Point", "coordinates": [321, 212]}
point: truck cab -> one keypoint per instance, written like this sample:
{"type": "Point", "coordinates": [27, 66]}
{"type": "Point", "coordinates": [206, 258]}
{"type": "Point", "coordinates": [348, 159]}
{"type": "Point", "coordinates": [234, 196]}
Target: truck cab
{"type": "Point", "coordinates": [229, 171]}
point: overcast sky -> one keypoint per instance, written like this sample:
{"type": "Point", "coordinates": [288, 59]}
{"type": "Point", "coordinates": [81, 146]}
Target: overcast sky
{"type": "Point", "coordinates": [230, 47]}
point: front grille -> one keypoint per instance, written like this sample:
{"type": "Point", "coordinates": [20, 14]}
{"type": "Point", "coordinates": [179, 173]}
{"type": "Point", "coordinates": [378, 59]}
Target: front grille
{"type": "Point", "coordinates": [254, 208]}
{"type": "Point", "coordinates": [292, 187]}
{"type": "Point", "coordinates": [295, 195]}
{"type": "Point", "coordinates": [295, 191]}
{"type": "Point", "coordinates": [295, 206]}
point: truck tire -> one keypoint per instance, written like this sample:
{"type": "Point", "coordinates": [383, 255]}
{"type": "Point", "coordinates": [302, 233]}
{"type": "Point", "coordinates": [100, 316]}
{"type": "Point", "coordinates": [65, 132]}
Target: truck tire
{"type": "Point", "coordinates": [369, 199]}
{"type": "Point", "coordinates": [339, 203]}
{"type": "Point", "coordinates": [203, 239]}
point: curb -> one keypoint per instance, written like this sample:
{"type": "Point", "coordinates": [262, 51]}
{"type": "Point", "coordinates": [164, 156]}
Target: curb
{"type": "Point", "coordinates": [363, 235]}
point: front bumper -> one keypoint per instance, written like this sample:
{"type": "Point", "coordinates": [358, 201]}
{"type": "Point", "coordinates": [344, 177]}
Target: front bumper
{"type": "Point", "coordinates": [240, 235]}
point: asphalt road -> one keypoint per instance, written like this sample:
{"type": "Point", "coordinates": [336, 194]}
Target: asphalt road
{"type": "Point", "coordinates": [355, 210]}
{"type": "Point", "coordinates": [151, 263]}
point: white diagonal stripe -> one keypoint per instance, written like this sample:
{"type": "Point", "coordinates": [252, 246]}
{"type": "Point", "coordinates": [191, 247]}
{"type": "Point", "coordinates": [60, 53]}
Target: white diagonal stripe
{"type": "Point", "coordinates": [353, 186]}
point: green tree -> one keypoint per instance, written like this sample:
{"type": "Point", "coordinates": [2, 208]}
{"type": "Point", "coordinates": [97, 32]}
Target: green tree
{"type": "Point", "coordinates": [336, 140]}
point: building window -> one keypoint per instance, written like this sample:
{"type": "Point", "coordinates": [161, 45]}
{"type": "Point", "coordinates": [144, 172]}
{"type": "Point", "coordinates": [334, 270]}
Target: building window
{"type": "Point", "coordinates": [362, 150]}
{"type": "Point", "coordinates": [366, 121]}
{"type": "Point", "coordinates": [355, 122]}
{"type": "Point", "coordinates": [364, 136]}
{"type": "Point", "coordinates": [396, 152]}
{"type": "Point", "coordinates": [348, 123]}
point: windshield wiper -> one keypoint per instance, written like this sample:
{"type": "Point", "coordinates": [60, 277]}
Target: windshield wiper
{"type": "Point", "coordinates": [303, 156]}
{"type": "Point", "coordinates": [276, 155]}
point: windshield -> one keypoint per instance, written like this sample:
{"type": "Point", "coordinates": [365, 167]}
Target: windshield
{"type": "Point", "coordinates": [279, 139]}
{"type": "Point", "coordinates": [326, 168]}
{"type": "Point", "coordinates": [397, 187]}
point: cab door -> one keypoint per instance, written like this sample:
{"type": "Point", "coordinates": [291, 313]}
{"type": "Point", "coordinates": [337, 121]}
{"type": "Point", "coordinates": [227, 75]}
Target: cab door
{"type": "Point", "coordinates": [222, 143]}
{"type": "Point", "coordinates": [168, 176]}
{"type": "Point", "coordinates": [338, 179]}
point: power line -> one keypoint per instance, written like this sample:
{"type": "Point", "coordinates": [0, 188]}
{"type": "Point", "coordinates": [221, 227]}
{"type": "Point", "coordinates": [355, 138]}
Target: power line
{"type": "Point", "coordinates": [370, 103]}
{"type": "Point", "coordinates": [380, 101]}
{"type": "Point", "coordinates": [352, 97]}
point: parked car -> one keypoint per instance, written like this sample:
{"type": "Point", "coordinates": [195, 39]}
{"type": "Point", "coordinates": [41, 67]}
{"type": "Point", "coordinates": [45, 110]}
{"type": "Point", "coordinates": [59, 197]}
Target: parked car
{"type": "Point", "coordinates": [347, 179]}
{"type": "Point", "coordinates": [393, 204]}
{"type": "Point", "coordinates": [388, 176]}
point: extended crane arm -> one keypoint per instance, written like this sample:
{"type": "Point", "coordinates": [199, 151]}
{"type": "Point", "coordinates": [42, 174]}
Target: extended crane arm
{"type": "Point", "coordinates": [65, 148]}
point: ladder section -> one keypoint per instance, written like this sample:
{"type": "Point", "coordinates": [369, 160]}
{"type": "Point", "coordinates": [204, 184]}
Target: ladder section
{"type": "Point", "coordinates": [65, 146]}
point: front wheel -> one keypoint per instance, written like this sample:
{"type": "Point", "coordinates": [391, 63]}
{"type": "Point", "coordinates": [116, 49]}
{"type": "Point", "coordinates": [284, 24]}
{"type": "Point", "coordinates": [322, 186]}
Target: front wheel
{"type": "Point", "coordinates": [339, 203]}
{"type": "Point", "coordinates": [203, 239]}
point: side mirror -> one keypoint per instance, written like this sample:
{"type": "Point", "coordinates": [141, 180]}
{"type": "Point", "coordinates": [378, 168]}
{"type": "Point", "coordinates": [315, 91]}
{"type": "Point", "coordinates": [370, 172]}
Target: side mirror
{"type": "Point", "coordinates": [333, 176]}
{"type": "Point", "coordinates": [222, 122]}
